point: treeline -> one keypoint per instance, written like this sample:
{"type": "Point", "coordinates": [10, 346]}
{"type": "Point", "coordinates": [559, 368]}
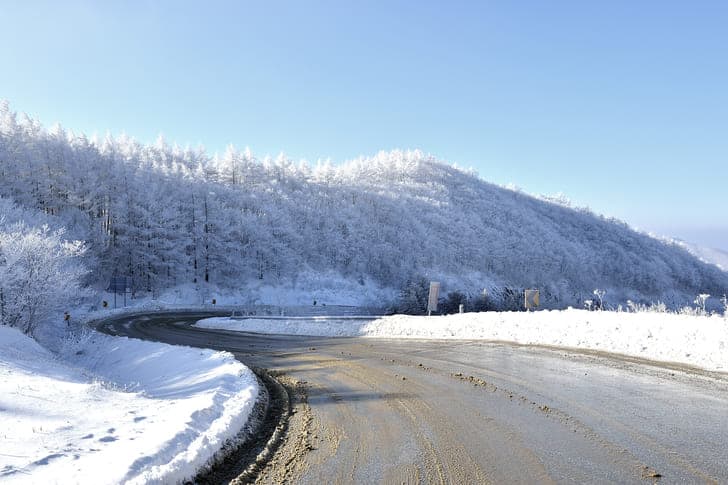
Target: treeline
{"type": "Point", "coordinates": [166, 216]}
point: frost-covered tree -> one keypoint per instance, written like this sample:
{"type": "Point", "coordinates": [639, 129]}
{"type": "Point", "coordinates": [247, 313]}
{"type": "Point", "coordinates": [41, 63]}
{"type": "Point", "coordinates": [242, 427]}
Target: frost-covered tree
{"type": "Point", "coordinates": [413, 296]}
{"type": "Point", "coordinates": [700, 302]}
{"type": "Point", "coordinates": [451, 303]}
{"type": "Point", "coordinates": [168, 216]}
{"type": "Point", "coordinates": [39, 270]}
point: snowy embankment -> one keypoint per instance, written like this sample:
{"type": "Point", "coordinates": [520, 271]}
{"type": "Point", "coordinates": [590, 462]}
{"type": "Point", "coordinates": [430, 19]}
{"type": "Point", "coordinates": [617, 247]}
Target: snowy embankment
{"type": "Point", "coordinates": [116, 410]}
{"type": "Point", "coordinates": [694, 340]}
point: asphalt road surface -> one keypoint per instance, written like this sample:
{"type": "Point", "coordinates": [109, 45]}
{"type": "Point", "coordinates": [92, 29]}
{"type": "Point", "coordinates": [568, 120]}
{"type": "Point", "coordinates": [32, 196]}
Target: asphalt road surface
{"type": "Point", "coordinates": [417, 411]}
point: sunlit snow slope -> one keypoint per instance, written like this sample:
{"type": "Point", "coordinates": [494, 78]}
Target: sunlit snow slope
{"type": "Point", "coordinates": [116, 410]}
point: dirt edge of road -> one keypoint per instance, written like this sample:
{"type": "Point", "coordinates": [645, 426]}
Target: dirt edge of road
{"type": "Point", "coordinates": [285, 461]}
{"type": "Point", "coordinates": [243, 459]}
{"type": "Point", "coordinates": [272, 445]}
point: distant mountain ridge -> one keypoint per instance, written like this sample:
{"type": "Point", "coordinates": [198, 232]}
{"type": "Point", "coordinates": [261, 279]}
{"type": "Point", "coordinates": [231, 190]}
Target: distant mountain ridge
{"type": "Point", "coordinates": [714, 256]}
{"type": "Point", "coordinates": [167, 216]}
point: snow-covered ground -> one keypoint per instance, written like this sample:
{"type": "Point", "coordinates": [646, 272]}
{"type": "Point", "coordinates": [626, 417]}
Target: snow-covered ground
{"type": "Point", "coordinates": [695, 340]}
{"type": "Point", "coordinates": [115, 410]}
{"type": "Point", "coordinates": [325, 288]}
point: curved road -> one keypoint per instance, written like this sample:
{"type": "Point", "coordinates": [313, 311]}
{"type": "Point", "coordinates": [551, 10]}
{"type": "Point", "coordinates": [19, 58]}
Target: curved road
{"type": "Point", "coordinates": [374, 410]}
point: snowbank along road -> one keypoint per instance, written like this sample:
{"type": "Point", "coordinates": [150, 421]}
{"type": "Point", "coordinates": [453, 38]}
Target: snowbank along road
{"type": "Point", "coordinates": [414, 411]}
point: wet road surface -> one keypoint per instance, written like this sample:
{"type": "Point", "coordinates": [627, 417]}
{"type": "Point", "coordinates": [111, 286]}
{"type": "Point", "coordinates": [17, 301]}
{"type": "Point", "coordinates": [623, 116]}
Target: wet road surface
{"type": "Point", "coordinates": [417, 411]}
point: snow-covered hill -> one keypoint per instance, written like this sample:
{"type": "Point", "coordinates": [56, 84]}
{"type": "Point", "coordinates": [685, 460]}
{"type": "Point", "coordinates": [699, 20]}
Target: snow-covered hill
{"type": "Point", "coordinates": [167, 216]}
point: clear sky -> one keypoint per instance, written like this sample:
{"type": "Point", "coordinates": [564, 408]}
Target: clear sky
{"type": "Point", "coordinates": [620, 105]}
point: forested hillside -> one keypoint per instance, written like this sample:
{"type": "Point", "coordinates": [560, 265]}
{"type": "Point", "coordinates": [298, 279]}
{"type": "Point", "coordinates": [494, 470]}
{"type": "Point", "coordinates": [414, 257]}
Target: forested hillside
{"type": "Point", "coordinates": [168, 216]}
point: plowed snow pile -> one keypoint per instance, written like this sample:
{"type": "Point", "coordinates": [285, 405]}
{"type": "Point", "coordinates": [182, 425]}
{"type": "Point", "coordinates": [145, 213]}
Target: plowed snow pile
{"type": "Point", "coordinates": [695, 340]}
{"type": "Point", "coordinates": [116, 410]}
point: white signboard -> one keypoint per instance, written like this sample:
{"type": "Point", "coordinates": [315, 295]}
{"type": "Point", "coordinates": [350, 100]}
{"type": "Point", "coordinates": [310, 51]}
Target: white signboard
{"type": "Point", "coordinates": [531, 298]}
{"type": "Point", "coordinates": [434, 295]}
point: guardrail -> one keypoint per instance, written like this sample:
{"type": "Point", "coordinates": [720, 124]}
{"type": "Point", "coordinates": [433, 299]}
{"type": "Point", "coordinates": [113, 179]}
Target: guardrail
{"type": "Point", "coordinates": [309, 311]}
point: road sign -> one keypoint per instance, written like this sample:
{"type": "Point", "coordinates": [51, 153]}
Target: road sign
{"type": "Point", "coordinates": [119, 284]}
{"type": "Point", "coordinates": [531, 299]}
{"type": "Point", "coordinates": [432, 298]}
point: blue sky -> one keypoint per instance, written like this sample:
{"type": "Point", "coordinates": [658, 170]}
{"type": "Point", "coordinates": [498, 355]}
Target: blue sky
{"type": "Point", "coordinates": [620, 105]}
